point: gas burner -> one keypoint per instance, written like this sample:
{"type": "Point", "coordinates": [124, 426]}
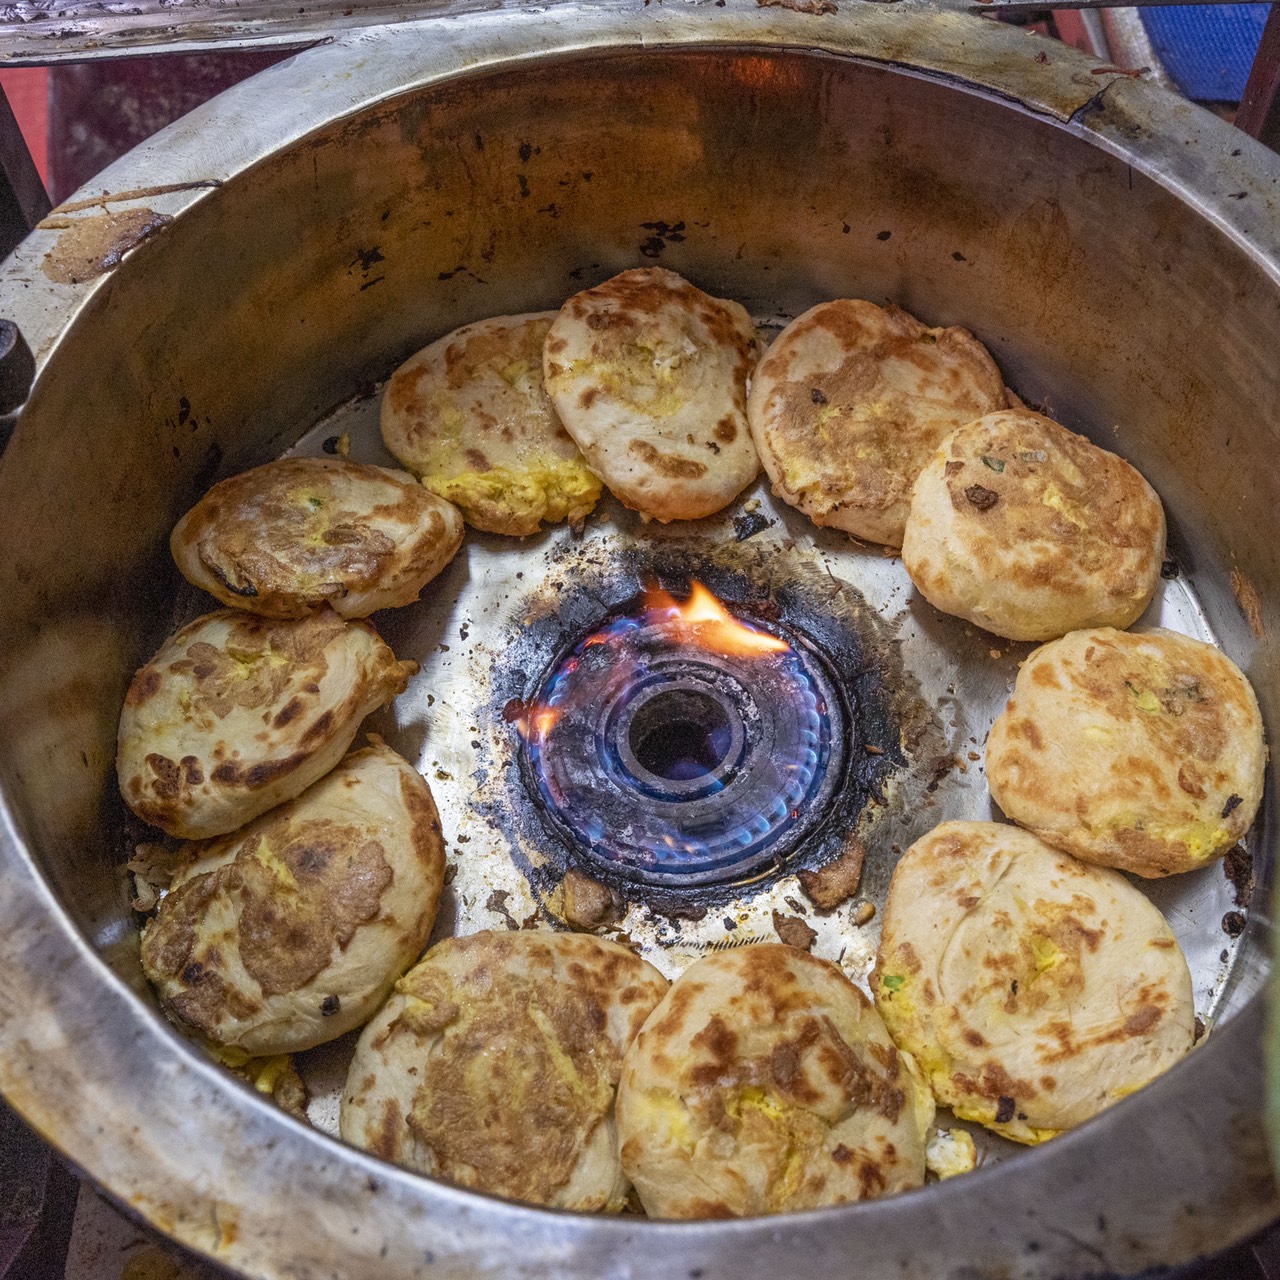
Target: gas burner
{"type": "Point", "coordinates": [681, 745]}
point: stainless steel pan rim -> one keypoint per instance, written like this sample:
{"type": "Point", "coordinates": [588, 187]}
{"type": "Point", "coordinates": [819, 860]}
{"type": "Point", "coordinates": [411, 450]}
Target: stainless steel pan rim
{"type": "Point", "coordinates": [1172, 1173]}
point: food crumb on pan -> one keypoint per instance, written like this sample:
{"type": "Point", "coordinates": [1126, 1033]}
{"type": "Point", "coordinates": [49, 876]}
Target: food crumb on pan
{"type": "Point", "coordinates": [793, 931]}
{"type": "Point", "coordinates": [837, 882]}
{"type": "Point", "coordinates": [588, 904]}
{"type": "Point", "coordinates": [1238, 868]}
{"type": "Point", "coordinates": [950, 1152]}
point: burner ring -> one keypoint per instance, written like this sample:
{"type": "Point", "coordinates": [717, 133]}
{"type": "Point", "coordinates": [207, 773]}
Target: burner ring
{"type": "Point", "coordinates": [678, 736]}
{"type": "Point", "coordinates": [667, 763]}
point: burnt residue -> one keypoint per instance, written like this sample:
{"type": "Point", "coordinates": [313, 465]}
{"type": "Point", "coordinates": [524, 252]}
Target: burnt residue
{"type": "Point", "coordinates": [366, 258]}
{"type": "Point", "coordinates": [589, 904]}
{"type": "Point", "coordinates": [497, 902]}
{"type": "Point", "coordinates": [749, 524]}
{"type": "Point", "coordinates": [460, 269]}
{"type": "Point", "coordinates": [135, 193]}
{"type": "Point", "coordinates": [837, 882]}
{"type": "Point", "coordinates": [676, 907]}
{"type": "Point", "coordinates": [661, 234]}
{"type": "Point", "coordinates": [91, 246]}
{"type": "Point", "coordinates": [1238, 868]}
{"type": "Point", "coordinates": [754, 580]}
{"type": "Point", "coordinates": [816, 7]}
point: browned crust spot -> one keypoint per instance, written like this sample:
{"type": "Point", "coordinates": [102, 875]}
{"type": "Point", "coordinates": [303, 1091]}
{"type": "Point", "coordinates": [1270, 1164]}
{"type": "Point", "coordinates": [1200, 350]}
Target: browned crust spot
{"type": "Point", "coordinates": [667, 464]}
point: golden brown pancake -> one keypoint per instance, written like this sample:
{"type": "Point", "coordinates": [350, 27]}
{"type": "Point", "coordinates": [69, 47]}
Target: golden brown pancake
{"type": "Point", "coordinates": [291, 932]}
{"type": "Point", "coordinates": [1031, 531]}
{"type": "Point", "coordinates": [765, 1082]}
{"type": "Point", "coordinates": [649, 376]}
{"type": "Point", "coordinates": [295, 535]}
{"type": "Point", "coordinates": [237, 714]}
{"type": "Point", "coordinates": [1033, 990]}
{"type": "Point", "coordinates": [1142, 752]}
{"type": "Point", "coordinates": [495, 1063]}
{"type": "Point", "coordinates": [470, 417]}
{"type": "Point", "coordinates": [850, 402]}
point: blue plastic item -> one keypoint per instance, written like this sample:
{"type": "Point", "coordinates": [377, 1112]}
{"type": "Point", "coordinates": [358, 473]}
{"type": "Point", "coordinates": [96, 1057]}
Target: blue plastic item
{"type": "Point", "coordinates": [1207, 49]}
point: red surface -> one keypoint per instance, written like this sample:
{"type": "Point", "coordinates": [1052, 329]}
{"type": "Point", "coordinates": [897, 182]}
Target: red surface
{"type": "Point", "coordinates": [27, 89]}
{"type": "Point", "coordinates": [1071, 30]}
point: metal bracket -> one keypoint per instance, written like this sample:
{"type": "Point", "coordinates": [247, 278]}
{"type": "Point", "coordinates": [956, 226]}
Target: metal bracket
{"type": "Point", "coordinates": [1259, 113]}
{"type": "Point", "coordinates": [23, 199]}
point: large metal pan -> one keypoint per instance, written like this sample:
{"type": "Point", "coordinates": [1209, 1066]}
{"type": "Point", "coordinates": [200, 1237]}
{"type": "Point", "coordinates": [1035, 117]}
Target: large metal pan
{"type": "Point", "coordinates": [217, 293]}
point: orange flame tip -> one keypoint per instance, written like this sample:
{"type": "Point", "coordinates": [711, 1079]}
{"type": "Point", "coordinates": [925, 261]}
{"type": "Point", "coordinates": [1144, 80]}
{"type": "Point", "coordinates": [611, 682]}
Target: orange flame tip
{"type": "Point", "coordinates": [710, 625]}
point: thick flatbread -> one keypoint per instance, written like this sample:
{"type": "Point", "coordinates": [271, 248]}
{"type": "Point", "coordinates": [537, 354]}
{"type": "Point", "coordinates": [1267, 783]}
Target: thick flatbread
{"type": "Point", "coordinates": [495, 1064]}
{"type": "Point", "coordinates": [1138, 751]}
{"type": "Point", "coordinates": [292, 536]}
{"type": "Point", "coordinates": [850, 402]}
{"type": "Point", "coordinates": [237, 714]}
{"type": "Point", "coordinates": [765, 1081]}
{"type": "Point", "coordinates": [469, 416]}
{"type": "Point", "coordinates": [1031, 531]}
{"type": "Point", "coordinates": [291, 932]}
{"type": "Point", "coordinates": [649, 376]}
{"type": "Point", "coordinates": [1032, 989]}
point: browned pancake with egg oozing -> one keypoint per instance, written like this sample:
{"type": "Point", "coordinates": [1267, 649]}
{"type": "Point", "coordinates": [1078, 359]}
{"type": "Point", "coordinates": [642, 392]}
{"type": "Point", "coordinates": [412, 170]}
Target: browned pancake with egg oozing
{"type": "Point", "coordinates": [495, 1064]}
{"type": "Point", "coordinates": [649, 376]}
{"type": "Point", "coordinates": [291, 932]}
{"type": "Point", "coordinates": [1140, 751]}
{"type": "Point", "coordinates": [764, 1082]}
{"type": "Point", "coordinates": [236, 714]}
{"type": "Point", "coordinates": [293, 536]}
{"type": "Point", "coordinates": [1033, 990]}
{"type": "Point", "coordinates": [852, 399]}
{"type": "Point", "coordinates": [469, 416]}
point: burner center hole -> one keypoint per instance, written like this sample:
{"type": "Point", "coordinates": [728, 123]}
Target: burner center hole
{"type": "Point", "coordinates": [680, 735]}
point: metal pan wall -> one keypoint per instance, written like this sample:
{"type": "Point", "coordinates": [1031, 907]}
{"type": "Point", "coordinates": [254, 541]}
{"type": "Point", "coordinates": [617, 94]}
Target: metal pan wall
{"type": "Point", "coordinates": [217, 292]}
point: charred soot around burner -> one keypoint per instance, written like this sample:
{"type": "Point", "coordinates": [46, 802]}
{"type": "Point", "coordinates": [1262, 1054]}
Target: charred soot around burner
{"type": "Point", "coordinates": [681, 745]}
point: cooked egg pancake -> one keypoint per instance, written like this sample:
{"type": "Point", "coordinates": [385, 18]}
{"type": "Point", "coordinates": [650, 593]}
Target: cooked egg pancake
{"type": "Point", "coordinates": [295, 535]}
{"type": "Point", "coordinates": [765, 1081]}
{"type": "Point", "coordinates": [291, 932]}
{"type": "Point", "coordinates": [1142, 752]}
{"type": "Point", "coordinates": [470, 417]}
{"type": "Point", "coordinates": [1031, 531]}
{"type": "Point", "coordinates": [1034, 990]}
{"type": "Point", "coordinates": [649, 376]}
{"type": "Point", "coordinates": [495, 1063]}
{"type": "Point", "coordinates": [851, 400]}
{"type": "Point", "coordinates": [237, 714]}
